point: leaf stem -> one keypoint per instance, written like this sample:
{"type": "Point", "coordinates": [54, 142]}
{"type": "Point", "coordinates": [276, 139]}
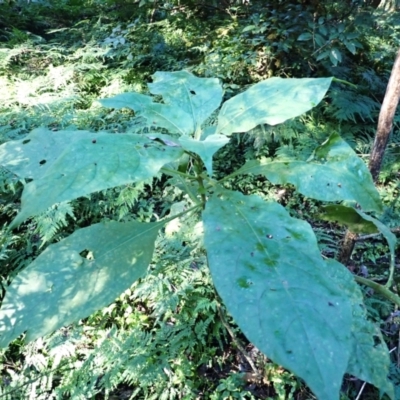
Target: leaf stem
{"type": "Point", "coordinates": [198, 166]}
{"type": "Point", "coordinates": [226, 177]}
{"type": "Point", "coordinates": [344, 82]}
{"type": "Point", "coordinates": [182, 176]}
{"type": "Point", "coordinates": [380, 289]}
{"type": "Point", "coordinates": [174, 172]}
{"type": "Point", "coordinates": [237, 342]}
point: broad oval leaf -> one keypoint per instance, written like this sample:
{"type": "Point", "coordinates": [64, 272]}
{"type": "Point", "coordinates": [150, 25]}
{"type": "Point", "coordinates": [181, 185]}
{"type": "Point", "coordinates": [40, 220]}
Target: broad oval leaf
{"type": "Point", "coordinates": [272, 102]}
{"type": "Point", "coordinates": [334, 174]}
{"type": "Point", "coordinates": [204, 148]}
{"type": "Point", "coordinates": [75, 277]}
{"type": "Point", "coordinates": [369, 360]}
{"type": "Point", "coordinates": [268, 270]}
{"type": "Point", "coordinates": [89, 162]}
{"type": "Point", "coordinates": [198, 97]}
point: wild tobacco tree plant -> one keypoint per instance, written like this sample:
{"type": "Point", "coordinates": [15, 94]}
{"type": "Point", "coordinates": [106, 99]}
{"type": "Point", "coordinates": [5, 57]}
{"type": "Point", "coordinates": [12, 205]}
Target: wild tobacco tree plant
{"type": "Point", "coordinates": [303, 311]}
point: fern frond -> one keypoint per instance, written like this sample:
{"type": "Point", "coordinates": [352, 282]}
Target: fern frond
{"type": "Point", "coordinates": [348, 105]}
{"type": "Point", "coordinates": [51, 221]}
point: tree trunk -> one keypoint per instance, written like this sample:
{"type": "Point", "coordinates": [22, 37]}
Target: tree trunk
{"type": "Point", "coordinates": [385, 123]}
{"type": "Point", "coordinates": [389, 5]}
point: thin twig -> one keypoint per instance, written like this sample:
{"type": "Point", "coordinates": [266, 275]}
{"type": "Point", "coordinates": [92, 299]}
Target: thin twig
{"type": "Point", "coordinates": [237, 342]}
{"type": "Point", "coordinates": [361, 390]}
{"type": "Point", "coordinates": [373, 235]}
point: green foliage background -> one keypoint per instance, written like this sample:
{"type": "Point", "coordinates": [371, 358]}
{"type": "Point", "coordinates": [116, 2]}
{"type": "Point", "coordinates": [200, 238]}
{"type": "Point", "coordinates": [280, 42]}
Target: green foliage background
{"type": "Point", "coordinates": [165, 338]}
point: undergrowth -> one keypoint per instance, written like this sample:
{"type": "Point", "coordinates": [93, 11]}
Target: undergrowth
{"type": "Point", "coordinates": [165, 338]}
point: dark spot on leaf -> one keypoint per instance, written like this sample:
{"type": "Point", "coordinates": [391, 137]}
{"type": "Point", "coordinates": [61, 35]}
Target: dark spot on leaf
{"type": "Point", "coordinates": [84, 253]}
{"type": "Point", "coordinates": [94, 141]}
{"type": "Point", "coordinates": [377, 341]}
{"type": "Point", "coordinates": [296, 235]}
{"type": "Point", "coordinates": [26, 141]}
{"type": "Point", "coordinates": [270, 237]}
{"type": "Point", "coordinates": [260, 247]}
{"type": "Point", "coordinates": [42, 162]}
{"type": "Point", "coordinates": [269, 262]}
{"type": "Point", "coordinates": [244, 282]}
{"type": "Point", "coordinates": [289, 351]}
{"type": "Point", "coordinates": [331, 304]}
{"type": "Point", "coordinates": [328, 184]}
{"type": "Point", "coordinates": [192, 92]}
{"type": "Point", "coordinates": [252, 254]}
{"type": "Point", "coordinates": [250, 266]}
{"type": "Point", "coordinates": [339, 184]}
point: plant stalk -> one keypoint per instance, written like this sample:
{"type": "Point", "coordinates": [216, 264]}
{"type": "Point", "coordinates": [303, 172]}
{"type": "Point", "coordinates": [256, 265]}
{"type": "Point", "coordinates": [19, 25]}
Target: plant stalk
{"type": "Point", "coordinates": [380, 289]}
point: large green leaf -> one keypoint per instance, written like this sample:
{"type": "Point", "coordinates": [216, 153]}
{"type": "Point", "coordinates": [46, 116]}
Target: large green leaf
{"type": "Point", "coordinates": [198, 97]}
{"type": "Point", "coordinates": [187, 101]}
{"type": "Point", "coordinates": [268, 270]}
{"type": "Point", "coordinates": [369, 359]}
{"type": "Point", "coordinates": [335, 173]}
{"type": "Point", "coordinates": [204, 148]}
{"type": "Point", "coordinates": [77, 163]}
{"type": "Point", "coordinates": [32, 157]}
{"type": "Point", "coordinates": [169, 117]}
{"type": "Point", "coordinates": [272, 102]}
{"type": "Point", "coordinates": [75, 277]}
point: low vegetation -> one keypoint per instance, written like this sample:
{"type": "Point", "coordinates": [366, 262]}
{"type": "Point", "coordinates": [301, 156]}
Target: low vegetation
{"type": "Point", "coordinates": [206, 158]}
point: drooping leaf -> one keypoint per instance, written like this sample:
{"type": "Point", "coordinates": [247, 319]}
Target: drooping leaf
{"type": "Point", "coordinates": [75, 277]}
{"type": "Point", "coordinates": [80, 163]}
{"type": "Point", "coordinates": [198, 97]}
{"type": "Point", "coordinates": [268, 270]}
{"type": "Point", "coordinates": [347, 216]}
{"type": "Point", "coordinates": [335, 173]}
{"type": "Point", "coordinates": [369, 360]}
{"type": "Point", "coordinates": [204, 148]}
{"type": "Point", "coordinates": [359, 222]}
{"type": "Point", "coordinates": [272, 102]}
